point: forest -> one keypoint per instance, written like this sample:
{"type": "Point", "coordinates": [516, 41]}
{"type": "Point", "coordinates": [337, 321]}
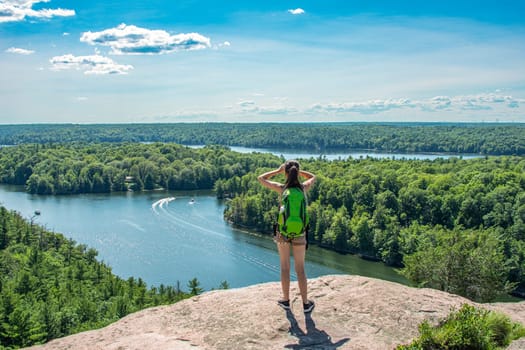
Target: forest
{"type": "Point", "coordinates": [103, 168]}
{"type": "Point", "coordinates": [51, 286]}
{"type": "Point", "coordinates": [475, 138]}
{"type": "Point", "coordinates": [452, 224]}
{"type": "Point", "coordinates": [455, 225]}
{"type": "Point", "coordinates": [431, 218]}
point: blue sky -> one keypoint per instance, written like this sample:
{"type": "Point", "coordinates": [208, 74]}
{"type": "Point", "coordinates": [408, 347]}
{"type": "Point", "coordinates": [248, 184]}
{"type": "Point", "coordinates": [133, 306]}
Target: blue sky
{"type": "Point", "coordinates": [261, 61]}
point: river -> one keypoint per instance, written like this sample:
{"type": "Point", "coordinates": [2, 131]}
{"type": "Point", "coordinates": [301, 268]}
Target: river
{"type": "Point", "coordinates": [165, 237]}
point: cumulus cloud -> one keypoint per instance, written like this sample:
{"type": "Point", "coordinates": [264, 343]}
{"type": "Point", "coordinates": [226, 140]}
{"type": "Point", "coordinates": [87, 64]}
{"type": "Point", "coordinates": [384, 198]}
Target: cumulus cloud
{"type": "Point", "coordinates": [297, 11]}
{"type": "Point", "coordinates": [438, 103]}
{"type": "Point", "coordinates": [130, 39]}
{"type": "Point", "coordinates": [484, 101]}
{"type": "Point", "coordinates": [94, 64]}
{"type": "Point", "coordinates": [277, 110]}
{"type": "Point", "coordinates": [19, 51]}
{"type": "Point", "coordinates": [18, 10]}
{"type": "Point", "coordinates": [365, 107]}
{"type": "Point", "coordinates": [485, 105]}
{"type": "Point", "coordinates": [250, 106]}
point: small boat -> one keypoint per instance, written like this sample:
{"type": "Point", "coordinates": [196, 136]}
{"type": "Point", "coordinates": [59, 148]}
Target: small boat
{"type": "Point", "coordinates": [192, 201]}
{"type": "Point", "coordinates": [37, 212]}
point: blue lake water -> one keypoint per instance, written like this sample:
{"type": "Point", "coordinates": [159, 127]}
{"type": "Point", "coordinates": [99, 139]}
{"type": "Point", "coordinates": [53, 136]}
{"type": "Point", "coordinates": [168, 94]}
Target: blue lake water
{"type": "Point", "coordinates": [164, 237]}
{"type": "Point", "coordinates": [289, 154]}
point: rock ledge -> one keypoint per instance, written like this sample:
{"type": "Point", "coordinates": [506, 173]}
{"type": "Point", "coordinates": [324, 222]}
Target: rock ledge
{"type": "Point", "coordinates": [352, 312]}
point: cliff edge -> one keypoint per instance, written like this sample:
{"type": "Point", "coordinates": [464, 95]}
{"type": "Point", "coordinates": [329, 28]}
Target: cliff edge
{"type": "Point", "coordinates": [352, 312]}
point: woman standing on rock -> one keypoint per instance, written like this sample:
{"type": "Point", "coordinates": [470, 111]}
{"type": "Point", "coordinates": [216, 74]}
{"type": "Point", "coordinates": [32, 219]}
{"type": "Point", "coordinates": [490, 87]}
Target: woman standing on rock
{"type": "Point", "coordinates": [291, 192]}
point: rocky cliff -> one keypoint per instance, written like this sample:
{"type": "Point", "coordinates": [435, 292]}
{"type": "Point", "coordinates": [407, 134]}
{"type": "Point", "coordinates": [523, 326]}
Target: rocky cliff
{"type": "Point", "coordinates": [352, 312]}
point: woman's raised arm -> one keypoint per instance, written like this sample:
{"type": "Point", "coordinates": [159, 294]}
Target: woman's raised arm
{"type": "Point", "coordinates": [310, 179]}
{"type": "Point", "coordinates": [272, 185]}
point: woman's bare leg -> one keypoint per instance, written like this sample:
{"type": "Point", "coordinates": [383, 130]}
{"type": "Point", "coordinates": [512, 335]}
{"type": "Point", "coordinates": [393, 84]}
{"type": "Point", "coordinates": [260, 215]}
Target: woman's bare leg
{"type": "Point", "coordinates": [284, 256]}
{"type": "Point", "coordinates": [298, 257]}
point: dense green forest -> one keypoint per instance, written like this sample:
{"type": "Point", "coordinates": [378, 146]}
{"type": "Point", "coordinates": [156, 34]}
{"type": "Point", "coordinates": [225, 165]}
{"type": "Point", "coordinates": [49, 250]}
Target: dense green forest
{"type": "Point", "coordinates": [452, 224]}
{"type": "Point", "coordinates": [455, 225]}
{"type": "Point", "coordinates": [480, 138]}
{"type": "Point", "coordinates": [50, 286]}
{"type": "Point", "coordinates": [104, 168]}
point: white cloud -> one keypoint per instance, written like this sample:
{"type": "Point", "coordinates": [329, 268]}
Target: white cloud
{"type": "Point", "coordinates": [221, 45]}
{"type": "Point", "coordinates": [18, 10]}
{"type": "Point", "coordinates": [130, 39]}
{"type": "Point", "coordinates": [365, 107]}
{"type": "Point", "coordinates": [277, 110]}
{"type": "Point", "coordinates": [440, 102]}
{"type": "Point", "coordinates": [482, 101]}
{"type": "Point", "coordinates": [94, 64]}
{"type": "Point", "coordinates": [247, 104]}
{"type": "Point", "coordinates": [479, 107]}
{"type": "Point", "coordinates": [478, 102]}
{"type": "Point", "coordinates": [19, 51]}
{"type": "Point", "coordinates": [251, 107]}
{"type": "Point", "coordinates": [297, 11]}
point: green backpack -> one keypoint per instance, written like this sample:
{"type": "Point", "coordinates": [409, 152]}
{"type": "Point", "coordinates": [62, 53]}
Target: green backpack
{"type": "Point", "coordinates": [293, 218]}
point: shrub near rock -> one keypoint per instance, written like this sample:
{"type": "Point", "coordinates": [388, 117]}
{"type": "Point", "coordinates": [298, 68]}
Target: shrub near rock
{"type": "Point", "coordinates": [468, 328]}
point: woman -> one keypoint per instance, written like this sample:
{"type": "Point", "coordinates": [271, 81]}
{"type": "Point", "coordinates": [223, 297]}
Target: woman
{"type": "Point", "coordinates": [298, 244]}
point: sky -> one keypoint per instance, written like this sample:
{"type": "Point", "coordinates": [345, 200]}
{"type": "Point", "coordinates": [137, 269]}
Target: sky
{"type": "Point", "coordinates": [173, 61]}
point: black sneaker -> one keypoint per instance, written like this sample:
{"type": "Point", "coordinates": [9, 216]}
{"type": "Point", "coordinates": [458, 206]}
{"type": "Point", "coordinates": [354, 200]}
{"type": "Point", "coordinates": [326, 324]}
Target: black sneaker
{"type": "Point", "coordinates": [308, 307]}
{"type": "Point", "coordinates": [285, 304]}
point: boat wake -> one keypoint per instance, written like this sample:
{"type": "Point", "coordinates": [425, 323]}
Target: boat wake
{"type": "Point", "coordinates": [161, 203]}
{"type": "Point", "coordinates": [202, 236]}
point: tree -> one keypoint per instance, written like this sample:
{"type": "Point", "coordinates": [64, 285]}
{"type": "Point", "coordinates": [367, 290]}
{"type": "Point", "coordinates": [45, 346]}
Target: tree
{"type": "Point", "coordinates": [338, 232]}
{"type": "Point", "coordinates": [194, 286]}
{"type": "Point", "coordinates": [467, 263]}
{"type": "Point", "coordinates": [4, 239]}
{"type": "Point", "coordinates": [363, 235]}
{"type": "Point", "coordinates": [57, 288]}
{"type": "Point", "coordinates": [470, 215]}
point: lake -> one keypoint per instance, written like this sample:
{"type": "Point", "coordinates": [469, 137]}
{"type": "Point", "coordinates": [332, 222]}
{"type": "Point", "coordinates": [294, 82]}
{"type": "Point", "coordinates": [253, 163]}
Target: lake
{"type": "Point", "coordinates": [355, 154]}
{"type": "Point", "coordinates": [165, 237]}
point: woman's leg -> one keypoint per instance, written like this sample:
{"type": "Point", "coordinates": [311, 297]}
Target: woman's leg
{"type": "Point", "coordinates": [284, 256]}
{"type": "Point", "coordinates": [299, 251]}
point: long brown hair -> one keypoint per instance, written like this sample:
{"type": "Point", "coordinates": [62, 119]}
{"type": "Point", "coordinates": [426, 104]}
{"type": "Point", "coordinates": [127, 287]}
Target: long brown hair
{"type": "Point", "coordinates": [291, 169]}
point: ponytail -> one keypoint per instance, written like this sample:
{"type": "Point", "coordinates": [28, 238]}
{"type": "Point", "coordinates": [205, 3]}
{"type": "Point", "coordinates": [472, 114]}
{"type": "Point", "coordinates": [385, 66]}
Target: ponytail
{"type": "Point", "coordinates": [291, 168]}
